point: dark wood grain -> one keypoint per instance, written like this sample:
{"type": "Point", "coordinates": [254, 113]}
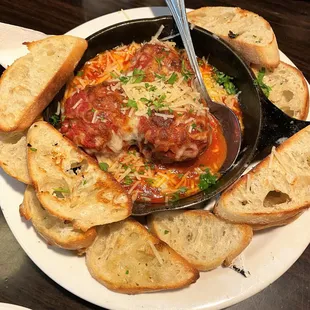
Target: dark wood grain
{"type": "Point", "coordinates": [21, 282]}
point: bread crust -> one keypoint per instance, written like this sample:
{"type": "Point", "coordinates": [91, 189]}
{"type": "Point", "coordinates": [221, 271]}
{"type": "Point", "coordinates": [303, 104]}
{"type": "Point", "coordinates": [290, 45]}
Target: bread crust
{"type": "Point", "coordinates": [260, 219]}
{"type": "Point", "coordinates": [160, 246]}
{"type": "Point", "coordinates": [304, 105]}
{"type": "Point", "coordinates": [77, 241]}
{"type": "Point", "coordinates": [105, 183]}
{"type": "Point", "coordinates": [39, 102]}
{"type": "Point", "coordinates": [266, 55]}
{"type": "Point", "coordinates": [246, 230]}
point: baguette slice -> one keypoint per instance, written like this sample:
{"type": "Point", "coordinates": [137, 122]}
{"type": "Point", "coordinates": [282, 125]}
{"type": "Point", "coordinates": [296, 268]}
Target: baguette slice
{"type": "Point", "coordinates": [126, 258]}
{"type": "Point", "coordinates": [69, 184]}
{"type": "Point", "coordinates": [200, 237]}
{"type": "Point", "coordinates": [32, 81]}
{"type": "Point", "coordinates": [13, 155]}
{"type": "Point", "coordinates": [276, 190]}
{"type": "Point", "coordinates": [255, 39]}
{"type": "Point", "coordinates": [289, 90]}
{"type": "Point", "coordinates": [277, 224]}
{"type": "Point", "coordinates": [53, 230]}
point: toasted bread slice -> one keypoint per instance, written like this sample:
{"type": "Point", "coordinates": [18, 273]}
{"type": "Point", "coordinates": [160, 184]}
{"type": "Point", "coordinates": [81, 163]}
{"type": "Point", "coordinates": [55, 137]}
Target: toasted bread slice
{"type": "Point", "coordinates": [200, 237]}
{"type": "Point", "coordinates": [13, 155]}
{"type": "Point", "coordinates": [126, 258]}
{"type": "Point", "coordinates": [289, 90]}
{"type": "Point", "coordinates": [32, 81]}
{"type": "Point", "coordinates": [248, 33]}
{"type": "Point", "coordinates": [276, 190]}
{"type": "Point", "coordinates": [53, 230]}
{"type": "Point", "coordinates": [277, 224]}
{"type": "Point", "coordinates": [70, 184]}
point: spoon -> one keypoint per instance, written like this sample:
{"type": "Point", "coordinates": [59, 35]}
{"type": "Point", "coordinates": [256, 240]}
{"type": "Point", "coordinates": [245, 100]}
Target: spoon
{"type": "Point", "coordinates": [226, 117]}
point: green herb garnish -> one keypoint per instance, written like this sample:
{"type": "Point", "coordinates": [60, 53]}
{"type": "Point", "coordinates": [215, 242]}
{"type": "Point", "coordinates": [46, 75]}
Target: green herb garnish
{"type": "Point", "coordinates": [173, 77]}
{"type": "Point", "coordinates": [150, 181]}
{"type": "Point", "coordinates": [176, 195]}
{"type": "Point", "coordinates": [132, 104]}
{"type": "Point", "coordinates": [80, 73]}
{"type": "Point", "coordinates": [206, 180]}
{"type": "Point", "coordinates": [61, 190]}
{"type": "Point", "coordinates": [104, 166]}
{"type": "Point", "coordinates": [225, 80]}
{"type": "Point", "coordinates": [124, 79]}
{"type": "Point", "coordinates": [259, 82]}
{"type": "Point", "coordinates": [54, 120]}
{"type": "Point", "coordinates": [137, 75]}
{"type": "Point", "coordinates": [180, 175]}
{"type": "Point", "coordinates": [128, 180]}
{"type": "Point", "coordinates": [149, 112]}
{"type": "Point", "coordinates": [127, 271]}
{"type": "Point", "coordinates": [185, 72]}
{"type": "Point", "coordinates": [159, 60]}
{"type": "Point", "coordinates": [166, 232]}
{"type": "Point", "coordinates": [115, 76]}
{"type": "Point", "coordinates": [33, 149]}
{"type": "Point", "coordinates": [160, 76]}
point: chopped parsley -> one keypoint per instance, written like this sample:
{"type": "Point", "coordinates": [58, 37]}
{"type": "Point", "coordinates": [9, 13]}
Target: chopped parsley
{"type": "Point", "coordinates": [132, 104]}
{"type": "Point", "coordinates": [61, 190]}
{"type": "Point", "coordinates": [166, 232]}
{"type": "Point", "coordinates": [54, 120]}
{"type": "Point", "coordinates": [159, 60]}
{"type": "Point", "coordinates": [104, 166]}
{"type": "Point", "coordinates": [128, 180]}
{"type": "Point", "coordinates": [80, 73]}
{"type": "Point", "coordinates": [173, 77]}
{"type": "Point", "coordinates": [137, 75]}
{"type": "Point", "coordinates": [259, 82]}
{"type": "Point", "coordinates": [152, 88]}
{"type": "Point", "coordinates": [149, 112]}
{"type": "Point", "coordinates": [160, 76]}
{"type": "Point", "coordinates": [127, 271]}
{"type": "Point", "coordinates": [206, 180]}
{"type": "Point", "coordinates": [84, 182]}
{"type": "Point", "coordinates": [194, 125]}
{"type": "Point", "coordinates": [185, 72]}
{"type": "Point", "coordinates": [225, 80]}
{"type": "Point", "coordinates": [93, 110]}
{"type": "Point", "coordinates": [150, 181]}
{"type": "Point", "coordinates": [180, 175]}
{"type": "Point", "coordinates": [124, 79]}
{"type": "Point", "coordinates": [115, 76]}
{"type": "Point", "coordinates": [33, 149]}
{"type": "Point", "coordinates": [176, 195]}
{"type": "Point", "coordinates": [233, 35]}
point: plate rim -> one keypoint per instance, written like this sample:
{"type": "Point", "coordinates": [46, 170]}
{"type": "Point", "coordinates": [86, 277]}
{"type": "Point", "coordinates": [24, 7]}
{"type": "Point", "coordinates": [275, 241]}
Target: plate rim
{"type": "Point", "coordinates": [80, 31]}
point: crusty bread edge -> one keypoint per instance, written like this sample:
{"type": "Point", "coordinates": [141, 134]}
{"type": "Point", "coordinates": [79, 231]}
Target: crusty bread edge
{"type": "Point", "coordinates": [262, 218]}
{"type": "Point", "coordinates": [78, 244]}
{"type": "Point", "coordinates": [47, 94]}
{"type": "Point", "coordinates": [247, 237]}
{"type": "Point", "coordinates": [13, 175]}
{"type": "Point", "coordinates": [249, 51]}
{"type": "Point", "coordinates": [305, 109]}
{"type": "Point", "coordinates": [90, 160]}
{"type": "Point", "coordinates": [158, 244]}
{"type": "Point", "coordinates": [277, 224]}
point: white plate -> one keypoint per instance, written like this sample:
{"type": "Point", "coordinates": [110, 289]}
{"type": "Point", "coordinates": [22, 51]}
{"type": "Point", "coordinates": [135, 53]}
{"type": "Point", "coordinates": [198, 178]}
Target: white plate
{"type": "Point", "coordinates": [4, 306]}
{"type": "Point", "coordinates": [270, 254]}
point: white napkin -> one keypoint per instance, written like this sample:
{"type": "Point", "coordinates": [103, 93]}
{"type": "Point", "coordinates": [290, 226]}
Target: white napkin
{"type": "Point", "coordinates": [11, 42]}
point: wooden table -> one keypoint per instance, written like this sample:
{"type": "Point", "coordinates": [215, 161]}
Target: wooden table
{"type": "Point", "coordinates": [21, 282]}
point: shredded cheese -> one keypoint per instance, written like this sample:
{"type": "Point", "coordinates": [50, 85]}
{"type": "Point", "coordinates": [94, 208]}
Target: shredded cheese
{"type": "Point", "coordinates": [160, 260]}
{"type": "Point", "coordinates": [77, 104]}
{"type": "Point", "coordinates": [158, 33]}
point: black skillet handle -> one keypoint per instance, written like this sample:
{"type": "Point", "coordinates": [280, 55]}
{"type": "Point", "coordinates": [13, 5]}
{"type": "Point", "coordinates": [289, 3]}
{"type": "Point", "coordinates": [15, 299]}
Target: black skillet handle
{"type": "Point", "coordinates": [276, 127]}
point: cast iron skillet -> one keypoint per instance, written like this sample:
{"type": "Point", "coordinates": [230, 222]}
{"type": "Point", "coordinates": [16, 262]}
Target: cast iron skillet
{"type": "Point", "coordinates": [264, 123]}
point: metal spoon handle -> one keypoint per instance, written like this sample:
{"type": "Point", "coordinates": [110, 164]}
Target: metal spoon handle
{"type": "Point", "coordinates": [177, 8]}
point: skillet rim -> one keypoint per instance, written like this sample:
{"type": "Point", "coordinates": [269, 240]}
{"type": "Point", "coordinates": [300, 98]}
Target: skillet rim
{"type": "Point", "coordinates": [144, 208]}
